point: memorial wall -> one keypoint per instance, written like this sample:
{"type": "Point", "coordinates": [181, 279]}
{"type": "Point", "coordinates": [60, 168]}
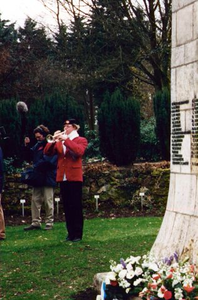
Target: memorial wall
{"type": "Point", "coordinates": [178, 230]}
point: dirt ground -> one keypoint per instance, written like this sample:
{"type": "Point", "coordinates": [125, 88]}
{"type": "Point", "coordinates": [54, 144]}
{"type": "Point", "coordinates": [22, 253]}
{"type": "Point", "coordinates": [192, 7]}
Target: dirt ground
{"type": "Point", "coordinates": [13, 220]}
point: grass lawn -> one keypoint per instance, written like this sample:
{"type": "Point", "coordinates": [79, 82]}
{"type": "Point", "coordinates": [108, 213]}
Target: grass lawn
{"type": "Point", "coordinates": [41, 265]}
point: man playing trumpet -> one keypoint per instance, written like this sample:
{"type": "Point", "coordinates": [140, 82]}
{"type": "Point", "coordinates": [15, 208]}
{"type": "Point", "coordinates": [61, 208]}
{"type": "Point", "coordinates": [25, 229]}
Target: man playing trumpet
{"type": "Point", "coordinates": [70, 148]}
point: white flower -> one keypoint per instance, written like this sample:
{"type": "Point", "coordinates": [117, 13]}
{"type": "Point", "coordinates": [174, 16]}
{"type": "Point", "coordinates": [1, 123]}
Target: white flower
{"type": "Point", "coordinates": [129, 267]}
{"type": "Point", "coordinates": [188, 282]}
{"type": "Point", "coordinates": [133, 259]}
{"type": "Point", "coordinates": [175, 282]}
{"type": "Point", "coordinates": [137, 281]}
{"type": "Point", "coordinates": [117, 268]}
{"type": "Point", "coordinates": [153, 266]}
{"type": "Point", "coordinates": [161, 291]}
{"type": "Point", "coordinates": [178, 293]}
{"type": "Point", "coordinates": [143, 292]}
{"type": "Point", "coordinates": [138, 271]}
{"type": "Point", "coordinates": [110, 276]}
{"type": "Point", "coordinates": [130, 274]}
{"type": "Point", "coordinates": [122, 274]}
{"type": "Point", "coordinates": [128, 290]}
{"type": "Point", "coordinates": [125, 284]}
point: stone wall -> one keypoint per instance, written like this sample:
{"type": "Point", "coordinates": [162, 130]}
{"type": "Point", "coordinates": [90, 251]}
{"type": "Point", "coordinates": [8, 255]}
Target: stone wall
{"type": "Point", "coordinates": [116, 187]}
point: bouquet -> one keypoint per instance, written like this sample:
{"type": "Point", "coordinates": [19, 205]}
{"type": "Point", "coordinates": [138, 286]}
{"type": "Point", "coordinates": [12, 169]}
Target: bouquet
{"type": "Point", "coordinates": [168, 279]}
{"type": "Point", "coordinates": [125, 278]}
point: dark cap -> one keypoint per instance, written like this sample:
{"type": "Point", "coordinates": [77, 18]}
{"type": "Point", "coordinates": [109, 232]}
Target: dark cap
{"type": "Point", "coordinates": [72, 122]}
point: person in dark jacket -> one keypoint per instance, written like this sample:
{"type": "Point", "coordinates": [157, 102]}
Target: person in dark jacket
{"type": "Point", "coordinates": [45, 169]}
{"type": "Point", "coordinates": [2, 221]}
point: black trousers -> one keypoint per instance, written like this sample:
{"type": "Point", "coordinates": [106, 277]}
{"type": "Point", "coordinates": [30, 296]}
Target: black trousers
{"type": "Point", "coordinates": [71, 192]}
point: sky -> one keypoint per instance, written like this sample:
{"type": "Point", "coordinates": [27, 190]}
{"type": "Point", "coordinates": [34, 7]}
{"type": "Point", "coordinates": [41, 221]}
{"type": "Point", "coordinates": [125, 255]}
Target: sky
{"type": "Point", "coordinates": [18, 10]}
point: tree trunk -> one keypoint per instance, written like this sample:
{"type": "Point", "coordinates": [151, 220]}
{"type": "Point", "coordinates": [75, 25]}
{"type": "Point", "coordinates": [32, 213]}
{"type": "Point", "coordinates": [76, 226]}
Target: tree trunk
{"type": "Point", "coordinates": [178, 231]}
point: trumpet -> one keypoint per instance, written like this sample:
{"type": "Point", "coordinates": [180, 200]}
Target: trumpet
{"type": "Point", "coordinates": [54, 138]}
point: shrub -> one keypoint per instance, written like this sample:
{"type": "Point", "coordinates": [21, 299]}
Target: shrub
{"type": "Point", "coordinates": [149, 144]}
{"type": "Point", "coordinates": [119, 128]}
{"type": "Point", "coordinates": [93, 148]}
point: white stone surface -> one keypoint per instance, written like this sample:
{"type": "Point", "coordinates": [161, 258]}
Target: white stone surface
{"type": "Point", "coordinates": [171, 192]}
{"type": "Point", "coordinates": [174, 27]}
{"type": "Point", "coordinates": [188, 118]}
{"type": "Point", "coordinates": [195, 17]}
{"type": "Point", "coordinates": [185, 82]}
{"type": "Point", "coordinates": [178, 231]}
{"type": "Point", "coordinates": [196, 79]}
{"type": "Point", "coordinates": [176, 5]}
{"type": "Point", "coordinates": [184, 200]}
{"type": "Point", "coordinates": [185, 25]}
{"type": "Point", "coordinates": [178, 57]}
{"type": "Point", "coordinates": [98, 279]}
{"type": "Point", "coordinates": [171, 238]}
{"type": "Point", "coordinates": [190, 52]}
{"type": "Point", "coordinates": [173, 79]}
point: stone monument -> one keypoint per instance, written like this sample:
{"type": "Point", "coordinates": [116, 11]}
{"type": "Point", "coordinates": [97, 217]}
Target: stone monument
{"type": "Point", "coordinates": [178, 231]}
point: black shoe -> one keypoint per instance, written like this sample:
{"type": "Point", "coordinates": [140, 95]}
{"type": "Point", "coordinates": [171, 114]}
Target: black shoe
{"type": "Point", "coordinates": [76, 240]}
{"type": "Point", "coordinates": [32, 227]}
{"type": "Point", "coordinates": [68, 239]}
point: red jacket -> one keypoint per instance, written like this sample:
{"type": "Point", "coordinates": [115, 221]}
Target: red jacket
{"type": "Point", "coordinates": [69, 163]}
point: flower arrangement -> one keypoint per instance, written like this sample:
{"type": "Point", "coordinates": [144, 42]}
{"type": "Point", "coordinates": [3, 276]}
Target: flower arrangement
{"type": "Point", "coordinates": [168, 279]}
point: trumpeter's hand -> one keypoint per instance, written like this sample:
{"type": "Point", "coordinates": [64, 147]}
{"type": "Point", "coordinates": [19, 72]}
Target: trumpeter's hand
{"type": "Point", "coordinates": [63, 137]}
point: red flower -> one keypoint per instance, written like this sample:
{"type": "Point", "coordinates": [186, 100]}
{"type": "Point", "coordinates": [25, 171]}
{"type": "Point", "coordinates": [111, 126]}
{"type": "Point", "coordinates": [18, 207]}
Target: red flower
{"type": "Point", "coordinates": [167, 295]}
{"type": "Point", "coordinates": [188, 288]}
{"type": "Point", "coordinates": [113, 282]}
{"type": "Point", "coordinates": [172, 270]}
{"type": "Point", "coordinates": [169, 276]}
{"type": "Point", "coordinates": [156, 276]}
{"type": "Point", "coordinates": [163, 289]}
{"type": "Point", "coordinates": [192, 268]}
{"type": "Point", "coordinates": [153, 285]}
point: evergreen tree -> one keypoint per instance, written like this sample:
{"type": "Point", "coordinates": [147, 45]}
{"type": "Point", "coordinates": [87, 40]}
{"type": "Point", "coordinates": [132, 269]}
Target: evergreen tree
{"type": "Point", "coordinates": [52, 111]}
{"type": "Point", "coordinates": [119, 128]}
{"type": "Point", "coordinates": [8, 58]}
{"type": "Point", "coordinates": [34, 53]}
{"type": "Point", "coordinates": [11, 121]}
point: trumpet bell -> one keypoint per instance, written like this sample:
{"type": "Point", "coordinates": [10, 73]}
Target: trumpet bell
{"type": "Point", "coordinates": [54, 138]}
{"type": "Point", "coordinates": [50, 138]}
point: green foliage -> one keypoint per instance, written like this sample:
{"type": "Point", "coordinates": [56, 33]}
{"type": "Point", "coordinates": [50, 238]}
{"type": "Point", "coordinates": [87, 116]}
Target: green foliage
{"type": "Point", "coordinates": [161, 102]}
{"type": "Point", "coordinates": [119, 128]}
{"type": "Point", "coordinates": [149, 144]}
{"type": "Point", "coordinates": [93, 148]}
{"type": "Point", "coordinates": [59, 107]}
{"type": "Point", "coordinates": [8, 33]}
{"type": "Point", "coordinates": [52, 112]}
{"type": "Point", "coordinates": [10, 165]}
{"type": "Point", "coordinates": [64, 270]}
{"type": "Point", "coordinates": [10, 119]}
